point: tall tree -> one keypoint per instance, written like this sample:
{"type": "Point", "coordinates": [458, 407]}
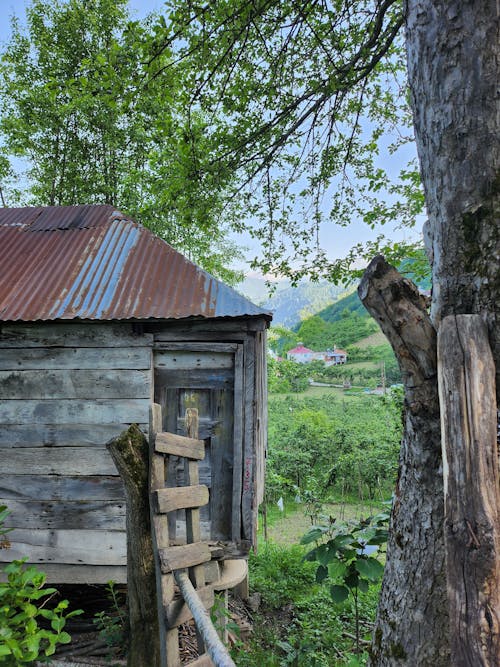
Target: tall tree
{"type": "Point", "coordinates": [75, 106]}
{"type": "Point", "coordinates": [293, 82]}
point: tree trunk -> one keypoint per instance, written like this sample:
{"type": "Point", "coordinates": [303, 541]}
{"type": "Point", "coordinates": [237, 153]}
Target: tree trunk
{"type": "Point", "coordinates": [452, 51]}
{"type": "Point", "coordinates": [130, 454]}
{"type": "Point", "coordinates": [412, 624]}
{"type": "Point", "coordinates": [471, 489]}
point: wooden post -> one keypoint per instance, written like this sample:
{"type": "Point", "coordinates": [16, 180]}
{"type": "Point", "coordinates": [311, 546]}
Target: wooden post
{"type": "Point", "coordinates": [130, 454]}
{"type": "Point", "coordinates": [193, 529]}
{"type": "Point", "coordinates": [466, 372]}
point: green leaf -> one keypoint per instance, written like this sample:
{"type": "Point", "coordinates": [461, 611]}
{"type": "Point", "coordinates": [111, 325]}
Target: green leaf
{"type": "Point", "coordinates": [370, 568]}
{"type": "Point", "coordinates": [339, 593]}
{"type": "Point", "coordinates": [336, 569]}
{"type": "Point", "coordinates": [321, 574]}
{"type": "Point", "coordinates": [313, 535]}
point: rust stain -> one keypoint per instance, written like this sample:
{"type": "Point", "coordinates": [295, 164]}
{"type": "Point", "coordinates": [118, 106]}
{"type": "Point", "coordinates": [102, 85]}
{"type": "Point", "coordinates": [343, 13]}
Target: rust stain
{"type": "Point", "coordinates": [92, 262]}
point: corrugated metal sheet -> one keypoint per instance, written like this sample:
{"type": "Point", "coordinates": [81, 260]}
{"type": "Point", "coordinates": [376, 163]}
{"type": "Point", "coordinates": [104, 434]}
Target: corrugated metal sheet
{"type": "Point", "coordinates": [91, 262]}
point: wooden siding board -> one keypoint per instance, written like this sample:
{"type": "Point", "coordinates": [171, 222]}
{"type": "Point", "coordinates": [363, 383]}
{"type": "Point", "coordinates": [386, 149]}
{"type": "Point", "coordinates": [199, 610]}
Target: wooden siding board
{"type": "Point", "coordinates": [62, 358]}
{"type": "Point", "coordinates": [56, 488]}
{"type": "Point", "coordinates": [98, 515]}
{"type": "Point", "coordinates": [77, 334]}
{"type": "Point", "coordinates": [76, 411]}
{"type": "Point", "coordinates": [60, 573]}
{"type": "Point", "coordinates": [188, 360]}
{"type": "Point", "coordinates": [89, 547]}
{"type": "Point", "coordinates": [66, 461]}
{"type": "Point", "coordinates": [70, 384]}
{"type": "Point", "coordinates": [59, 435]}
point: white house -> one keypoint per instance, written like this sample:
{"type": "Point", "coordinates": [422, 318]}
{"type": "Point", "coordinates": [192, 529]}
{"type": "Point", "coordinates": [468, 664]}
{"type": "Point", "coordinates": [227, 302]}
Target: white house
{"type": "Point", "coordinates": [300, 354]}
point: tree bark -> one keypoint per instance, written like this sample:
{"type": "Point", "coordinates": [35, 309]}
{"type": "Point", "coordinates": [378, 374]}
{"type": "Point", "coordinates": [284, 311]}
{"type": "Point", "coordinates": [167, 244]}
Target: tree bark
{"type": "Point", "coordinates": [452, 53]}
{"type": "Point", "coordinates": [471, 489]}
{"type": "Point", "coordinates": [130, 454]}
{"type": "Point", "coordinates": [412, 623]}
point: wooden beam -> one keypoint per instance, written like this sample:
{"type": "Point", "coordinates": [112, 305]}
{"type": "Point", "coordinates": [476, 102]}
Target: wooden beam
{"type": "Point", "coordinates": [187, 555]}
{"type": "Point", "coordinates": [182, 497]}
{"type": "Point", "coordinates": [180, 445]}
{"type": "Point", "coordinates": [466, 371]}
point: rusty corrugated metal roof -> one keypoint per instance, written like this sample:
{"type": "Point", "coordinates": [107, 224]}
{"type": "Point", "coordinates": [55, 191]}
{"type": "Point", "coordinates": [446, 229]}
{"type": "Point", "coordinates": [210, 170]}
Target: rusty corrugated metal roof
{"type": "Point", "coordinates": [92, 262]}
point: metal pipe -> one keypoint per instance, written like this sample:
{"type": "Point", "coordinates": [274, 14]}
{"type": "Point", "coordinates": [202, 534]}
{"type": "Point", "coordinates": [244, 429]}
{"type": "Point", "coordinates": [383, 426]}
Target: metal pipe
{"type": "Point", "coordinates": [213, 645]}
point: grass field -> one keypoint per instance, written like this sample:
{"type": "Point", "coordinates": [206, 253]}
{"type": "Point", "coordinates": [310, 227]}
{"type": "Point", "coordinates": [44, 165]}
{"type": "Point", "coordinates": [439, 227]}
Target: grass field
{"type": "Point", "coordinates": [374, 339]}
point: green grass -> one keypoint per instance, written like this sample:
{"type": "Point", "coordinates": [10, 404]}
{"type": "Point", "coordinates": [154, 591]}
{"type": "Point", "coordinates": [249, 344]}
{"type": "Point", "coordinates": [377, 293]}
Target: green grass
{"type": "Point", "coordinates": [373, 339]}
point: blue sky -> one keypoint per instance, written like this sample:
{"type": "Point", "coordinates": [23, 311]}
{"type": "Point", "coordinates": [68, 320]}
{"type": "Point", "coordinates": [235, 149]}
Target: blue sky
{"type": "Point", "coordinates": [335, 240]}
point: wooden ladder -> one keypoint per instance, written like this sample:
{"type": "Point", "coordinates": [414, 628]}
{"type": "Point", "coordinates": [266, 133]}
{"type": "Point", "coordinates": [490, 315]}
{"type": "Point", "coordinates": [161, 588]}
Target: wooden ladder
{"type": "Point", "coordinates": [182, 565]}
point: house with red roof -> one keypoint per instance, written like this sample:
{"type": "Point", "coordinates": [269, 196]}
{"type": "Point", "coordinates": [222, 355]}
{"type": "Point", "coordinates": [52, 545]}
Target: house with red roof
{"type": "Point", "coordinates": [301, 354]}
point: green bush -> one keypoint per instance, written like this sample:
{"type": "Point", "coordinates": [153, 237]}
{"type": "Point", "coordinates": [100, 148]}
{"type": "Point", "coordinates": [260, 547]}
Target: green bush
{"type": "Point", "coordinates": [23, 604]}
{"type": "Point", "coordinates": [22, 600]}
{"type": "Point", "coordinates": [280, 574]}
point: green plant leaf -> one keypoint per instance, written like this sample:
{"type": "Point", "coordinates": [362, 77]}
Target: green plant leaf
{"type": "Point", "coordinates": [336, 569]}
{"type": "Point", "coordinates": [369, 568]}
{"type": "Point", "coordinates": [339, 593]}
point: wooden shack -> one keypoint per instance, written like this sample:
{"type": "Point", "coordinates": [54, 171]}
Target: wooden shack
{"type": "Point", "coordinates": [99, 318]}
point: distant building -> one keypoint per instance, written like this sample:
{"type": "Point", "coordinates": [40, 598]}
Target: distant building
{"type": "Point", "coordinates": [334, 357]}
{"type": "Point", "coordinates": [301, 354]}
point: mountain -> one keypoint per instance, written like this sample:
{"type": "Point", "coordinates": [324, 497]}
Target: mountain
{"type": "Point", "coordinates": [288, 304]}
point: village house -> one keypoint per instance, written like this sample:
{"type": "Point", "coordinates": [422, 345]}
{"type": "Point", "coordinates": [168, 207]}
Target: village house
{"type": "Point", "coordinates": [99, 321]}
{"type": "Point", "coordinates": [303, 355]}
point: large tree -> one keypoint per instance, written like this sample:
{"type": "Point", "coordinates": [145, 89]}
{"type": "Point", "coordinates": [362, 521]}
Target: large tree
{"type": "Point", "coordinates": [76, 107]}
{"type": "Point", "coordinates": [304, 90]}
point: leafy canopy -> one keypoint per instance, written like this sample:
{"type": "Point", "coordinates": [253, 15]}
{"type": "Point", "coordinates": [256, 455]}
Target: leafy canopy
{"type": "Point", "coordinates": [303, 98]}
{"type": "Point", "coordinates": [77, 106]}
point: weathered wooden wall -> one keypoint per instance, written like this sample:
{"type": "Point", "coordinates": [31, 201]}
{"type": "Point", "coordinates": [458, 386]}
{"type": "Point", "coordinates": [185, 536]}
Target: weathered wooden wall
{"type": "Point", "coordinates": [65, 390]}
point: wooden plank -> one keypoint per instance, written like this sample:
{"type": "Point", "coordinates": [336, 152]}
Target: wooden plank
{"type": "Point", "coordinates": [248, 499]}
{"type": "Point", "coordinates": [260, 437]}
{"type": "Point", "coordinates": [467, 399]}
{"type": "Point", "coordinates": [198, 378]}
{"type": "Point", "coordinates": [183, 497]}
{"type": "Point", "coordinates": [72, 461]}
{"type": "Point", "coordinates": [91, 515]}
{"type": "Point", "coordinates": [175, 558]}
{"type": "Point", "coordinates": [237, 446]}
{"type": "Point", "coordinates": [88, 547]}
{"type": "Point", "coordinates": [59, 573]}
{"type": "Point", "coordinates": [90, 384]}
{"type": "Point", "coordinates": [221, 453]}
{"type": "Point", "coordinates": [169, 643]}
{"type": "Point", "coordinates": [178, 612]}
{"type": "Point", "coordinates": [180, 445]}
{"type": "Point", "coordinates": [57, 435]}
{"type": "Point", "coordinates": [77, 334]}
{"type": "Point", "coordinates": [138, 358]}
{"type": "Point", "coordinates": [195, 347]}
{"type": "Point", "coordinates": [193, 527]}
{"type": "Point", "coordinates": [55, 487]}
{"type": "Point", "coordinates": [100, 411]}
{"type": "Point", "coordinates": [172, 645]}
{"type": "Point", "coordinates": [187, 360]}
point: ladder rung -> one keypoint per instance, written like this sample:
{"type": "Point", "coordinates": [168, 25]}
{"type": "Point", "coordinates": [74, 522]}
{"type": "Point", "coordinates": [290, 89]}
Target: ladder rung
{"type": "Point", "coordinates": [187, 555]}
{"type": "Point", "coordinates": [180, 497]}
{"type": "Point", "coordinates": [179, 445]}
